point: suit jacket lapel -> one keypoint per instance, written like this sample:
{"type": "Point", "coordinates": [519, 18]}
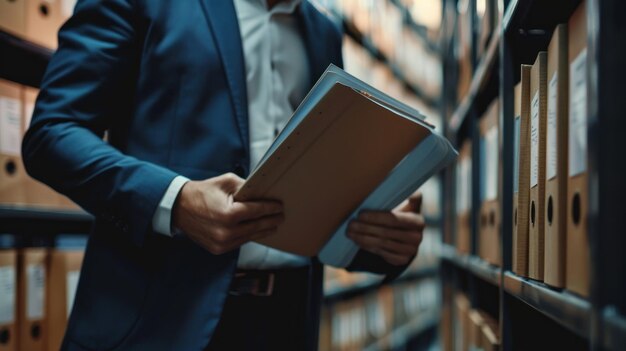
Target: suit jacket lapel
{"type": "Point", "coordinates": [314, 46]}
{"type": "Point", "coordinates": [222, 18]}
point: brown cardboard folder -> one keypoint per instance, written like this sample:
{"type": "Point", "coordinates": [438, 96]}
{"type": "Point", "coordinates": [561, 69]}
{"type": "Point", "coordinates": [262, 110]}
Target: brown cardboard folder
{"type": "Point", "coordinates": [522, 184]}
{"type": "Point", "coordinates": [342, 143]}
{"type": "Point", "coordinates": [32, 282]}
{"type": "Point", "coordinates": [537, 165]}
{"type": "Point", "coordinates": [12, 173]}
{"type": "Point", "coordinates": [8, 298]}
{"type": "Point", "coordinates": [489, 224]}
{"type": "Point", "coordinates": [577, 267]}
{"type": "Point", "coordinates": [556, 159]}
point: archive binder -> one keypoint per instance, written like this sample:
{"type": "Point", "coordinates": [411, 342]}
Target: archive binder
{"type": "Point", "coordinates": [64, 274]}
{"type": "Point", "coordinates": [32, 281]}
{"type": "Point", "coordinates": [346, 148]}
{"type": "Point", "coordinates": [43, 20]}
{"type": "Point", "coordinates": [12, 16]}
{"type": "Point", "coordinates": [556, 159]}
{"type": "Point", "coordinates": [578, 261]}
{"type": "Point", "coordinates": [8, 299]}
{"type": "Point", "coordinates": [12, 173]}
{"type": "Point", "coordinates": [537, 165]}
{"type": "Point", "coordinates": [521, 174]}
{"type": "Point", "coordinates": [489, 223]}
{"type": "Point", "coordinates": [464, 198]}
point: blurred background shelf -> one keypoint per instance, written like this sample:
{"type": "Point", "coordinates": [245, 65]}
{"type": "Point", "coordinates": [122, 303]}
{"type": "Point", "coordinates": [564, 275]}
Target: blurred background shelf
{"type": "Point", "coordinates": [43, 221]}
{"type": "Point", "coordinates": [21, 61]}
{"type": "Point", "coordinates": [400, 336]}
{"type": "Point", "coordinates": [565, 308]}
{"type": "Point", "coordinates": [614, 329]}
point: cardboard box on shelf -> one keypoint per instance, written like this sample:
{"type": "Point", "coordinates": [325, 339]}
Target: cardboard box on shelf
{"type": "Point", "coordinates": [13, 17]}
{"type": "Point", "coordinates": [556, 159]}
{"type": "Point", "coordinates": [521, 174]}
{"type": "Point", "coordinates": [32, 281]}
{"type": "Point", "coordinates": [490, 218]}
{"type": "Point", "coordinates": [577, 268]}
{"type": "Point", "coordinates": [8, 300]}
{"type": "Point", "coordinates": [64, 275]}
{"type": "Point", "coordinates": [12, 173]}
{"type": "Point", "coordinates": [538, 110]}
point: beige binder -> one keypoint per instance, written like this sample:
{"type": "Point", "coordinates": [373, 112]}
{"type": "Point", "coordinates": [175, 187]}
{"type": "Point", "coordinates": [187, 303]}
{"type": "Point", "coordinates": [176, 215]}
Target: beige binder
{"type": "Point", "coordinates": [522, 195]}
{"type": "Point", "coordinates": [328, 165]}
{"type": "Point", "coordinates": [43, 20]}
{"type": "Point", "coordinates": [13, 16]}
{"type": "Point", "coordinates": [32, 281]}
{"type": "Point", "coordinates": [64, 274]}
{"type": "Point", "coordinates": [12, 173]}
{"type": "Point", "coordinates": [8, 300]}
{"type": "Point", "coordinates": [538, 102]}
{"type": "Point", "coordinates": [464, 198]}
{"type": "Point", "coordinates": [490, 219]}
{"type": "Point", "coordinates": [556, 159]}
{"type": "Point", "coordinates": [577, 271]}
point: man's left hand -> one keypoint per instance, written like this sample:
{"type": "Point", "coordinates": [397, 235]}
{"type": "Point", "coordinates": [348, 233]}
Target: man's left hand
{"type": "Point", "coordinates": [394, 235]}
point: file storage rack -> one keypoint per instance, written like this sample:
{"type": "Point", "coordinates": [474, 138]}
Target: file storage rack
{"type": "Point", "coordinates": [533, 316]}
{"type": "Point", "coordinates": [25, 63]}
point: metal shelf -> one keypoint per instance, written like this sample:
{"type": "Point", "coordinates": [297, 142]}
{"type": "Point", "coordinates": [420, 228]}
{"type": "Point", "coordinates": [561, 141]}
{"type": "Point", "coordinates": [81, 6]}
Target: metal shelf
{"type": "Point", "coordinates": [614, 329]}
{"type": "Point", "coordinates": [22, 61]}
{"type": "Point", "coordinates": [473, 264]}
{"type": "Point", "coordinates": [567, 309]}
{"type": "Point", "coordinates": [355, 34]}
{"type": "Point", "coordinates": [402, 334]}
{"type": "Point", "coordinates": [368, 285]}
{"type": "Point", "coordinates": [480, 78]}
{"type": "Point", "coordinates": [43, 221]}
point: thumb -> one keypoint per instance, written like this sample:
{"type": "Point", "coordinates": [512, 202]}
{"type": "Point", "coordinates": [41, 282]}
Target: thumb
{"type": "Point", "coordinates": [230, 183]}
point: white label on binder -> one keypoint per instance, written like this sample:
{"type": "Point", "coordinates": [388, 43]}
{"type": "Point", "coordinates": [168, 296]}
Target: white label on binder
{"type": "Point", "coordinates": [491, 164]}
{"type": "Point", "coordinates": [551, 146]}
{"type": "Point", "coordinates": [463, 182]}
{"type": "Point", "coordinates": [67, 7]}
{"type": "Point", "coordinates": [534, 140]}
{"type": "Point", "coordinates": [7, 295]}
{"type": "Point", "coordinates": [72, 283]}
{"type": "Point", "coordinates": [578, 115]}
{"type": "Point", "coordinates": [35, 290]}
{"type": "Point", "coordinates": [516, 140]}
{"type": "Point", "coordinates": [10, 128]}
{"type": "Point", "coordinates": [29, 109]}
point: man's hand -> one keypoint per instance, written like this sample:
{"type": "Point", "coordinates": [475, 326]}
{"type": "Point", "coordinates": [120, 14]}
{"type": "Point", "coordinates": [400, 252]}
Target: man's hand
{"type": "Point", "coordinates": [394, 235]}
{"type": "Point", "coordinates": [206, 212]}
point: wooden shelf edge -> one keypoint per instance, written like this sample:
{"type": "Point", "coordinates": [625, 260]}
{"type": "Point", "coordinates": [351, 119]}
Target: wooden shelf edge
{"type": "Point", "coordinates": [473, 264]}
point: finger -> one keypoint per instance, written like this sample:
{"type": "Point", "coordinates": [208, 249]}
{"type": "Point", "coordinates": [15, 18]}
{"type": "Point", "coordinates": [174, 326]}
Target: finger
{"type": "Point", "coordinates": [391, 257]}
{"type": "Point", "coordinates": [389, 219]}
{"type": "Point", "coordinates": [413, 237]}
{"type": "Point", "coordinates": [229, 182]}
{"type": "Point", "coordinates": [246, 211]}
{"type": "Point", "coordinates": [369, 241]}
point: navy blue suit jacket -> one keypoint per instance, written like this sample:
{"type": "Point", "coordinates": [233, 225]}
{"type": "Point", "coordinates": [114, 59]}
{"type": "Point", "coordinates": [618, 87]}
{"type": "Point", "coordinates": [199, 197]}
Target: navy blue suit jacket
{"type": "Point", "coordinates": [166, 79]}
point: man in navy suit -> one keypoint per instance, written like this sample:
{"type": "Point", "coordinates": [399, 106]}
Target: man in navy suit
{"type": "Point", "coordinates": [191, 94]}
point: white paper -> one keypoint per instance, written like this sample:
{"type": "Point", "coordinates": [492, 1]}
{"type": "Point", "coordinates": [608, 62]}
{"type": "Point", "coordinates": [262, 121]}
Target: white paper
{"type": "Point", "coordinates": [7, 294]}
{"type": "Point", "coordinates": [534, 140]}
{"type": "Point", "coordinates": [10, 126]}
{"type": "Point", "coordinates": [35, 291]}
{"type": "Point", "coordinates": [516, 150]}
{"type": "Point", "coordinates": [72, 283]}
{"type": "Point", "coordinates": [578, 115]}
{"type": "Point", "coordinates": [551, 145]}
{"type": "Point", "coordinates": [491, 163]}
{"type": "Point", "coordinates": [67, 7]}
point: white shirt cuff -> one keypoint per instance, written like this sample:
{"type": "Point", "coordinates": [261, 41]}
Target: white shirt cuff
{"type": "Point", "coordinates": [162, 219]}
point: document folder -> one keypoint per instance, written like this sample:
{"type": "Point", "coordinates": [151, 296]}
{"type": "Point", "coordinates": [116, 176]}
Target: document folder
{"type": "Point", "coordinates": [347, 148]}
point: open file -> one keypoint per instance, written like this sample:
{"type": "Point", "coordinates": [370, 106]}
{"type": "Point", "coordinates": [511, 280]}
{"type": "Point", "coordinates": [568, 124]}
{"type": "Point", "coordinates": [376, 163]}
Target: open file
{"type": "Point", "coordinates": [348, 147]}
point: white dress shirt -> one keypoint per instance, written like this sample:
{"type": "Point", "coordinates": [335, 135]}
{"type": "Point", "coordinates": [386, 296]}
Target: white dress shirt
{"type": "Point", "coordinates": [277, 78]}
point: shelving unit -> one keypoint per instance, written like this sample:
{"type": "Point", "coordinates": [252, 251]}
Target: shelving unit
{"type": "Point", "coordinates": [527, 309]}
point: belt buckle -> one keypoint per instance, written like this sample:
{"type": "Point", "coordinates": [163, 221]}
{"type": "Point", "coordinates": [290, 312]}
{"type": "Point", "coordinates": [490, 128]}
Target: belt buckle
{"type": "Point", "coordinates": [253, 284]}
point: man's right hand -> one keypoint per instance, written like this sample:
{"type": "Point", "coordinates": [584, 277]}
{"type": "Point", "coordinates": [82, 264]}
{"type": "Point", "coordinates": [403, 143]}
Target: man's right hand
{"type": "Point", "coordinates": [206, 212]}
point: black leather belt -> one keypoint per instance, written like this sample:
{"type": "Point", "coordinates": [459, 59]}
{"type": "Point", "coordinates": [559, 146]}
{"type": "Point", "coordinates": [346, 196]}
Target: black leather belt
{"type": "Point", "coordinates": [262, 283]}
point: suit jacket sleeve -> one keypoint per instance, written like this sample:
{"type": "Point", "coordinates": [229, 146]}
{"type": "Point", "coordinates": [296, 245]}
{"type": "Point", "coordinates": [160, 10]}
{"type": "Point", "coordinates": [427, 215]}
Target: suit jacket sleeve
{"type": "Point", "coordinates": [365, 260]}
{"type": "Point", "coordinates": [89, 86]}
